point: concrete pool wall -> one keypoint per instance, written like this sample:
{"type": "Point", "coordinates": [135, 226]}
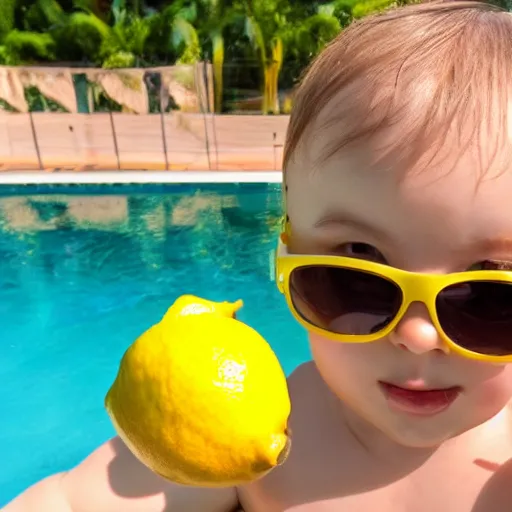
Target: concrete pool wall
{"type": "Point", "coordinates": [41, 201]}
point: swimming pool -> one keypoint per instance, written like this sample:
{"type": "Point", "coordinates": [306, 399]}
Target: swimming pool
{"type": "Point", "coordinates": [85, 269]}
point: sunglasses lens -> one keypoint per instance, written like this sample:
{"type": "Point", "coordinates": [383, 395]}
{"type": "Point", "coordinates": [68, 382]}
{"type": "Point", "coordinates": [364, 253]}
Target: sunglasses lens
{"type": "Point", "coordinates": [343, 300]}
{"type": "Point", "coordinates": [477, 316]}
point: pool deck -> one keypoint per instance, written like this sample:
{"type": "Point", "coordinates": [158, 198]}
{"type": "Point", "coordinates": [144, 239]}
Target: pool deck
{"type": "Point", "coordinates": [129, 177]}
{"type": "Point", "coordinates": [44, 148]}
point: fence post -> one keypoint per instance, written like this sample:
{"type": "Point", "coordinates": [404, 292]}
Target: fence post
{"type": "Point", "coordinates": [114, 137]}
{"type": "Point", "coordinates": [210, 109]}
{"type": "Point", "coordinates": [164, 139]}
{"type": "Point", "coordinates": [162, 106]}
{"type": "Point", "coordinates": [200, 87]}
{"type": "Point", "coordinates": [36, 143]}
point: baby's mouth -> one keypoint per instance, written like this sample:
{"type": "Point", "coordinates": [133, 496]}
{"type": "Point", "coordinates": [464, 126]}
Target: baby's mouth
{"type": "Point", "coordinates": [420, 402]}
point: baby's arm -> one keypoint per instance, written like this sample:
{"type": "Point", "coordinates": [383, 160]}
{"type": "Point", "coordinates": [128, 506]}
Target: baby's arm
{"type": "Point", "coordinates": [112, 479]}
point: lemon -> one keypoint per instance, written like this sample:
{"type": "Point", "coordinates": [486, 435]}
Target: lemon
{"type": "Point", "coordinates": [201, 399]}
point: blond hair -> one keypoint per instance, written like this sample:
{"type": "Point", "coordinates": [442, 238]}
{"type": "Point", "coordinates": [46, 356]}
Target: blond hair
{"type": "Point", "coordinates": [423, 69]}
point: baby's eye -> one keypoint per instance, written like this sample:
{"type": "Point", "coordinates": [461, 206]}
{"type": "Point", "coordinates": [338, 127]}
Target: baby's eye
{"type": "Point", "coordinates": [492, 265]}
{"type": "Point", "coordinates": [360, 250]}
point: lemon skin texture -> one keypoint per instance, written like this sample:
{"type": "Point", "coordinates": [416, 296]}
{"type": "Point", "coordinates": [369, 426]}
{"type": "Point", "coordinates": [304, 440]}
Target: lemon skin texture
{"type": "Point", "coordinates": [201, 399]}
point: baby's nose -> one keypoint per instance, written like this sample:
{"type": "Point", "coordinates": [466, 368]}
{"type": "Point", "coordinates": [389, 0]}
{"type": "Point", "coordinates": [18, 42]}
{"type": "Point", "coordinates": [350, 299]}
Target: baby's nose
{"type": "Point", "coordinates": [416, 333]}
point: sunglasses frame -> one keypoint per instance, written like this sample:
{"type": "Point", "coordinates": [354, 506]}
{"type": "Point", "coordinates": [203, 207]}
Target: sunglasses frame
{"type": "Point", "coordinates": [415, 287]}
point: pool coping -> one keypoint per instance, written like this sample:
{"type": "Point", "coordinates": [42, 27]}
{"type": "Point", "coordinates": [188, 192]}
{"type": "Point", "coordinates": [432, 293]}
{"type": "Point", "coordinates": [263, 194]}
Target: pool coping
{"type": "Point", "coordinates": [128, 177]}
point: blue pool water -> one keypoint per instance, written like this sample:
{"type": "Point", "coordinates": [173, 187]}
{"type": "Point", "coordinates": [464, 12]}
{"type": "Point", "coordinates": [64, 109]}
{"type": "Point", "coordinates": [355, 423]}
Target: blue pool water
{"type": "Point", "coordinates": [84, 270]}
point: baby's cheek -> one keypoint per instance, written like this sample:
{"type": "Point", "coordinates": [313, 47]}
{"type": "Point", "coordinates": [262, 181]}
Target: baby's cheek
{"type": "Point", "coordinates": [490, 394]}
{"type": "Point", "coordinates": [342, 365]}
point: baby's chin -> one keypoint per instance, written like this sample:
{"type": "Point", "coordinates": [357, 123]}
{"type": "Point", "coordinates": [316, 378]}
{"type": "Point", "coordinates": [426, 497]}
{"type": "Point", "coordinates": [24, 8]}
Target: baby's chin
{"type": "Point", "coordinates": [419, 438]}
{"type": "Point", "coordinates": [414, 432]}
{"type": "Point", "coordinates": [431, 432]}
{"type": "Point", "coordinates": [426, 433]}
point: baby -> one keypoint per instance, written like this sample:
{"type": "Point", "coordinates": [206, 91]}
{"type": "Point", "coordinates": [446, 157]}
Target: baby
{"type": "Point", "coordinates": [397, 258]}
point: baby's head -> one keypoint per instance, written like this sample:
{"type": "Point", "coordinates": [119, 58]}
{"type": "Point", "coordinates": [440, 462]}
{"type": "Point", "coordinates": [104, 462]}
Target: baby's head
{"type": "Point", "coordinates": [399, 152]}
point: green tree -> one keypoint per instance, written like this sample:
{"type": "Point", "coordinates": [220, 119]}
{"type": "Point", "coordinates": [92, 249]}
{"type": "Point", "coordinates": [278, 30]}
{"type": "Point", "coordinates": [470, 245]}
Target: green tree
{"type": "Point", "coordinates": [266, 24]}
{"type": "Point", "coordinates": [213, 17]}
{"type": "Point", "coordinates": [307, 37]}
{"type": "Point", "coordinates": [129, 39]}
{"type": "Point", "coordinates": [281, 34]}
{"type": "Point", "coordinates": [173, 36]}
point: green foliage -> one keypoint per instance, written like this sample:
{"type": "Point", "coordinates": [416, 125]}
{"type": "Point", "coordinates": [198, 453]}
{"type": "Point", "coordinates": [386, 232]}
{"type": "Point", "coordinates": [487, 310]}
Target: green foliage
{"type": "Point", "coordinates": [270, 41]}
{"type": "Point", "coordinates": [362, 9]}
{"type": "Point", "coordinates": [92, 6]}
{"type": "Point", "coordinates": [27, 47]}
{"type": "Point", "coordinates": [53, 12]}
{"type": "Point", "coordinates": [186, 41]}
{"type": "Point", "coordinates": [308, 38]}
{"type": "Point", "coordinates": [87, 32]}
{"type": "Point", "coordinates": [37, 102]}
{"type": "Point", "coordinates": [5, 107]}
{"type": "Point", "coordinates": [123, 45]}
{"type": "Point", "coordinates": [101, 102]}
{"type": "Point", "coordinates": [265, 20]}
{"type": "Point", "coordinates": [7, 11]}
{"type": "Point", "coordinates": [119, 59]}
{"type": "Point", "coordinates": [173, 36]}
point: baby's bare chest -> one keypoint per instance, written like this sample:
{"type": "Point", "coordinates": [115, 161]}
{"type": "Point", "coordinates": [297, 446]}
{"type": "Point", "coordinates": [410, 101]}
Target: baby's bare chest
{"type": "Point", "coordinates": [474, 490]}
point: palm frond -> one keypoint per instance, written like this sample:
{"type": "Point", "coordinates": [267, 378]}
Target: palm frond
{"type": "Point", "coordinates": [53, 12]}
{"type": "Point", "coordinates": [255, 35]}
{"type": "Point", "coordinates": [184, 35]}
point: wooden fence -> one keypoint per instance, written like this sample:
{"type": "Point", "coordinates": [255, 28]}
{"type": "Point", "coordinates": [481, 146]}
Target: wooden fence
{"type": "Point", "coordinates": [109, 141]}
{"type": "Point", "coordinates": [188, 136]}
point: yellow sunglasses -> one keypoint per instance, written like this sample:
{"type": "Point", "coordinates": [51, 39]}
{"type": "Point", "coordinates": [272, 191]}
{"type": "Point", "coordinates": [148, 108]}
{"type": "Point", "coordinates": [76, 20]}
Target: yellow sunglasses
{"type": "Point", "coordinates": [351, 300]}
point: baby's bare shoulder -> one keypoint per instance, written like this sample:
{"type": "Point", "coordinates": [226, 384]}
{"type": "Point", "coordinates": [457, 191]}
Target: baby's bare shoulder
{"type": "Point", "coordinates": [327, 465]}
{"type": "Point", "coordinates": [306, 386]}
{"type": "Point", "coordinates": [111, 478]}
{"type": "Point", "coordinates": [317, 450]}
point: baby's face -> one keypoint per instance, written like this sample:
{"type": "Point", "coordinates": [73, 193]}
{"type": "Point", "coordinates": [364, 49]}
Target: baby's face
{"type": "Point", "coordinates": [439, 220]}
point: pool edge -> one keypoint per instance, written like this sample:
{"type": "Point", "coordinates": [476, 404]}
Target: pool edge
{"type": "Point", "coordinates": [127, 177]}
